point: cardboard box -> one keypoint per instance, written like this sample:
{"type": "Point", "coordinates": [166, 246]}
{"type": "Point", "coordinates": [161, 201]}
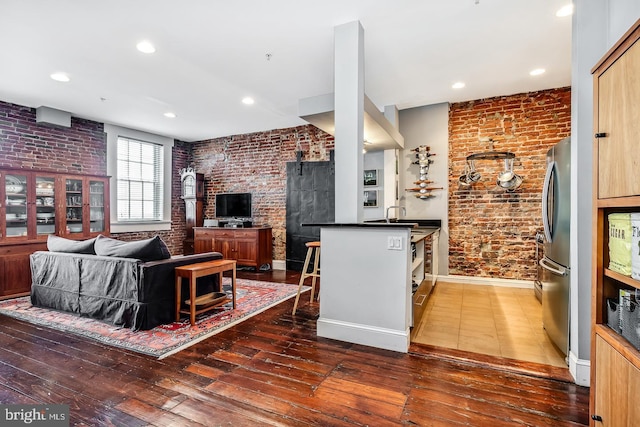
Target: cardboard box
{"type": "Point", "coordinates": [620, 243]}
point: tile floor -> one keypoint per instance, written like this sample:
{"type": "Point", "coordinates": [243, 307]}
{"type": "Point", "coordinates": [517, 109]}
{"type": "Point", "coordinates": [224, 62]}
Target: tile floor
{"type": "Point", "coordinates": [494, 320]}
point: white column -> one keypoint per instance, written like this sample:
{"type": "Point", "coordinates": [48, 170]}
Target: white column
{"type": "Point", "coordinates": [391, 177]}
{"type": "Point", "coordinates": [349, 121]}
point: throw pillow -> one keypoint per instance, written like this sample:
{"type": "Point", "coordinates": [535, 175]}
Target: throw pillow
{"type": "Point", "coordinates": [145, 250]}
{"type": "Point", "coordinates": [60, 244]}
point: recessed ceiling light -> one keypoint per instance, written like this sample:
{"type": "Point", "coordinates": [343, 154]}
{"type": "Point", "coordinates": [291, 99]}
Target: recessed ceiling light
{"type": "Point", "coordinates": [248, 100]}
{"type": "Point", "coordinates": [537, 72]}
{"type": "Point", "coordinates": [170, 115]}
{"type": "Point", "coordinates": [145, 46]}
{"type": "Point", "coordinates": [565, 11]}
{"type": "Point", "coordinates": [458, 85]}
{"type": "Point", "coordinates": [60, 77]}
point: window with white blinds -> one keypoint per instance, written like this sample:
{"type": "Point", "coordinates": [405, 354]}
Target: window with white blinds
{"type": "Point", "coordinates": [139, 180]}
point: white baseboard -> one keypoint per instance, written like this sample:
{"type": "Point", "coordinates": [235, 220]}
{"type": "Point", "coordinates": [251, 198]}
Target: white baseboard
{"type": "Point", "coordinates": [472, 280]}
{"type": "Point", "coordinates": [580, 369]}
{"type": "Point", "coordinates": [278, 264]}
{"type": "Point", "coordinates": [388, 339]}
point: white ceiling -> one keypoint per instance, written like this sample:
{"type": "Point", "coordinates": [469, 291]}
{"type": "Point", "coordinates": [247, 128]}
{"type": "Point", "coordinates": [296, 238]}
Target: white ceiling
{"type": "Point", "coordinates": [212, 53]}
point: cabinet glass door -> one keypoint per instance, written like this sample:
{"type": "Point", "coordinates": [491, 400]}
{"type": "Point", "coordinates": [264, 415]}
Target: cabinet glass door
{"type": "Point", "coordinates": [45, 205]}
{"type": "Point", "coordinates": [16, 205]}
{"type": "Point", "coordinates": [96, 206]}
{"type": "Point", "coordinates": [74, 202]}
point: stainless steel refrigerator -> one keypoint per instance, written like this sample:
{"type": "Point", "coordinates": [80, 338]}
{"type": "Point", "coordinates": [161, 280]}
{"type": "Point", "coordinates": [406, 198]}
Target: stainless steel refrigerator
{"type": "Point", "coordinates": [556, 212]}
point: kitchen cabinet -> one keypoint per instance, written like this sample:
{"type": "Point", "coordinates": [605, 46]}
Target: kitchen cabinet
{"type": "Point", "coordinates": [248, 246]}
{"type": "Point", "coordinates": [424, 270]}
{"type": "Point", "coordinates": [36, 204]}
{"type": "Point", "coordinates": [615, 362]}
{"type": "Point", "coordinates": [619, 386]}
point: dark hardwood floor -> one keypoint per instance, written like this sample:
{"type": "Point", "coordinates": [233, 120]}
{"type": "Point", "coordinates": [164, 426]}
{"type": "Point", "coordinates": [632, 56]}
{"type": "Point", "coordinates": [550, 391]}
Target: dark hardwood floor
{"type": "Point", "coordinates": [273, 370]}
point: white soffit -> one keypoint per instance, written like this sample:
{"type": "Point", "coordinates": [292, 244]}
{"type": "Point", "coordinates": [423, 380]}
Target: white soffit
{"type": "Point", "coordinates": [378, 131]}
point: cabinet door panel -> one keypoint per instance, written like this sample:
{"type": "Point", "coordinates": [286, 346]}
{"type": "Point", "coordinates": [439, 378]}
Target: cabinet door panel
{"type": "Point", "coordinates": [617, 387]}
{"type": "Point", "coordinates": [618, 106]}
{"type": "Point", "coordinates": [15, 273]}
{"type": "Point", "coordinates": [16, 205]}
{"type": "Point", "coordinates": [97, 206]}
{"type": "Point", "coordinates": [226, 247]}
{"type": "Point", "coordinates": [246, 251]}
{"type": "Point", "coordinates": [45, 204]}
{"type": "Point", "coordinates": [203, 244]}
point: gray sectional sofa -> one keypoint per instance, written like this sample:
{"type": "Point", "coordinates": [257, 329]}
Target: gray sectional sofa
{"type": "Point", "coordinates": [127, 291]}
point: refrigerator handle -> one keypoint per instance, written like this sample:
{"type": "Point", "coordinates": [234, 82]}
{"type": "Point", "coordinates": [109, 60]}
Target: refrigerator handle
{"type": "Point", "coordinates": [545, 201]}
{"type": "Point", "coordinates": [547, 264]}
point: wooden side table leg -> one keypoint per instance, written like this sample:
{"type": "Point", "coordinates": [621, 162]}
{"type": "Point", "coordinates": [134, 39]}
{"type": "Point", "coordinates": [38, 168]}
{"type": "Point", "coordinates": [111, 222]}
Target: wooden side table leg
{"type": "Point", "coordinates": [233, 286]}
{"type": "Point", "coordinates": [192, 298]}
{"type": "Point", "coordinates": [178, 296]}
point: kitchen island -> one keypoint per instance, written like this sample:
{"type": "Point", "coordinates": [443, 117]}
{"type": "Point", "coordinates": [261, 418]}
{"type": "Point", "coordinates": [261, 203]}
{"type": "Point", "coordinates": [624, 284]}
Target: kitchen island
{"type": "Point", "coordinates": [366, 282]}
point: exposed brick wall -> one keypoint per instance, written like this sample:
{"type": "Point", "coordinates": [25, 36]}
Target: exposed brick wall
{"type": "Point", "coordinates": [492, 232]}
{"type": "Point", "coordinates": [25, 144]}
{"type": "Point", "coordinates": [80, 149]}
{"type": "Point", "coordinates": [256, 163]}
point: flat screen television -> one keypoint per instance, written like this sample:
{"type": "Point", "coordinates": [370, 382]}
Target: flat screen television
{"type": "Point", "coordinates": [233, 205]}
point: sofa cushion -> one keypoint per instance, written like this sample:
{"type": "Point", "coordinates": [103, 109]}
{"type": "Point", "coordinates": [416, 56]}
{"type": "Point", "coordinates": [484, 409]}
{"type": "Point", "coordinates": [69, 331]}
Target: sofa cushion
{"type": "Point", "coordinates": [145, 250]}
{"type": "Point", "coordinates": [60, 244]}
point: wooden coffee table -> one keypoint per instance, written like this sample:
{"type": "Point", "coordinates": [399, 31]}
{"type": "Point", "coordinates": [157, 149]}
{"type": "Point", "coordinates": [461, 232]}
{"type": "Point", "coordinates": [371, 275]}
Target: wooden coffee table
{"type": "Point", "coordinates": [200, 304]}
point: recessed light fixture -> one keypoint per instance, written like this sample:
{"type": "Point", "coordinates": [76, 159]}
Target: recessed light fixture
{"type": "Point", "coordinates": [248, 100]}
{"type": "Point", "coordinates": [566, 10]}
{"type": "Point", "coordinates": [60, 77]}
{"type": "Point", "coordinates": [458, 85]}
{"type": "Point", "coordinates": [170, 115]}
{"type": "Point", "coordinates": [537, 72]}
{"type": "Point", "coordinates": [145, 46]}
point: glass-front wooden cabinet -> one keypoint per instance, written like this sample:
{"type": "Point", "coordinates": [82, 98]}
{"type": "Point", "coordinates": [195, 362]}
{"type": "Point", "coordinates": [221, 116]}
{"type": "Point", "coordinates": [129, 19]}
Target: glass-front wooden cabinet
{"type": "Point", "coordinates": [36, 204]}
{"type": "Point", "coordinates": [85, 201]}
{"type": "Point", "coordinates": [45, 205]}
{"type": "Point", "coordinates": [29, 206]}
{"type": "Point", "coordinates": [15, 206]}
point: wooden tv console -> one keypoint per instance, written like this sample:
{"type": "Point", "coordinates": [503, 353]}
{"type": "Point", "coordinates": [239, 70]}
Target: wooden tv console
{"type": "Point", "coordinates": [251, 247]}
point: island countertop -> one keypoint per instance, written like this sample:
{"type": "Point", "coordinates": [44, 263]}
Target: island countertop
{"type": "Point", "coordinates": [410, 223]}
{"type": "Point", "coordinates": [362, 224]}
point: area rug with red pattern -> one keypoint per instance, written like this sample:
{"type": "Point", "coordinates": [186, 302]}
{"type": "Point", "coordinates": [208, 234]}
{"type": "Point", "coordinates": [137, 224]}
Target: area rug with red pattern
{"type": "Point", "coordinates": [252, 297]}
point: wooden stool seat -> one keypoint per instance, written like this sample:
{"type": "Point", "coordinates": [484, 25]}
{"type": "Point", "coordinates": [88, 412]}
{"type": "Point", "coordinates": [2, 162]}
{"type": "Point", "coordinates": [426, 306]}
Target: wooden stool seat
{"type": "Point", "coordinates": [314, 274]}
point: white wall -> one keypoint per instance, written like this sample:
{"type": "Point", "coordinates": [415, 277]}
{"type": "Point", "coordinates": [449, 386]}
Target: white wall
{"type": "Point", "coordinates": [365, 296]}
{"type": "Point", "coordinates": [597, 25]}
{"type": "Point", "coordinates": [427, 125]}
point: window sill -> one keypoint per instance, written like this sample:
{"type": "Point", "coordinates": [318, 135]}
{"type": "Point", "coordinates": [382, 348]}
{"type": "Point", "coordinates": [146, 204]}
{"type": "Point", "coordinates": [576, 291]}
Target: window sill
{"type": "Point", "coordinates": [132, 227]}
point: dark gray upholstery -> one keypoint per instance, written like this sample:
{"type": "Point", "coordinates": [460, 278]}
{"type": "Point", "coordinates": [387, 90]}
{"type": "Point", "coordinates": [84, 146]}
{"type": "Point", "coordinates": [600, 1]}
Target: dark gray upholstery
{"type": "Point", "coordinates": [146, 250]}
{"type": "Point", "coordinates": [123, 291]}
{"type": "Point", "coordinates": [60, 244]}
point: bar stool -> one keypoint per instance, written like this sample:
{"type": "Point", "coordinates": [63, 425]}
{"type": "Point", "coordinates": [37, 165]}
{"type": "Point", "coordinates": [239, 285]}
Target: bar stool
{"type": "Point", "coordinates": [315, 273]}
